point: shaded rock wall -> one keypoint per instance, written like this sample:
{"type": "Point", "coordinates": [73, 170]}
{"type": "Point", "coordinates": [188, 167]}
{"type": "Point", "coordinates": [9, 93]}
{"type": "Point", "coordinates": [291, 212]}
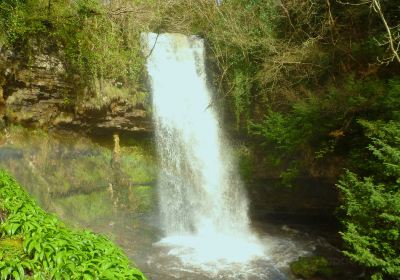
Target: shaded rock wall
{"type": "Point", "coordinates": [38, 91]}
{"type": "Point", "coordinates": [309, 200]}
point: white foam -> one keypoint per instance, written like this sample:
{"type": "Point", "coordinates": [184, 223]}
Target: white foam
{"type": "Point", "coordinates": [203, 207]}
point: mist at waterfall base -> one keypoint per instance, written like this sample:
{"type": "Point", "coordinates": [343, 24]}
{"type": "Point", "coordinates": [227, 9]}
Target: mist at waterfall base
{"type": "Point", "coordinates": [83, 165]}
{"type": "Point", "coordinates": [203, 208]}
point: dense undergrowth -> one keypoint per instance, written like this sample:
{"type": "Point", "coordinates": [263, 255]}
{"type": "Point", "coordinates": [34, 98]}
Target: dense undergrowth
{"type": "Point", "coordinates": [37, 245]}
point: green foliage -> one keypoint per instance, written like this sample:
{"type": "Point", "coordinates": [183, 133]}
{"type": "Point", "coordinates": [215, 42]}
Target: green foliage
{"type": "Point", "coordinates": [241, 97]}
{"type": "Point", "coordinates": [95, 44]}
{"type": "Point", "coordinates": [323, 126]}
{"type": "Point", "coordinates": [245, 163]}
{"type": "Point", "coordinates": [287, 136]}
{"type": "Point", "coordinates": [372, 204]}
{"type": "Point", "coordinates": [16, 22]}
{"type": "Point", "coordinates": [310, 267]}
{"type": "Point", "coordinates": [297, 75]}
{"type": "Point", "coordinates": [51, 250]}
{"type": "Point", "coordinates": [300, 72]}
{"type": "Point", "coordinates": [391, 101]}
{"type": "Point", "coordinates": [282, 130]}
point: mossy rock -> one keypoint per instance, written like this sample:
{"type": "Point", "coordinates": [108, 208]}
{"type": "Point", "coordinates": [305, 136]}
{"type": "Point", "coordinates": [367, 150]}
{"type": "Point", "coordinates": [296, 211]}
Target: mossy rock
{"type": "Point", "coordinates": [11, 247]}
{"type": "Point", "coordinates": [311, 267]}
{"type": "Point", "coordinates": [142, 197]}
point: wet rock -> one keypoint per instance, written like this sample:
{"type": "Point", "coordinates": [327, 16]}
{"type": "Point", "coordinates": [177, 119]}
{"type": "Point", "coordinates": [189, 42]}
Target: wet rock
{"type": "Point", "coordinates": [7, 153]}
{"type": "Point", "coordinates": [41, 93]}
{"type": "Point", "coordinates": [309, 200]}
{"type": "Point", "coordinates": [34, 90]}
{"type": "Point", "coordinates": [119, 115]}
{"type": "Point", "coordinates": [1, 95]}
{"type": "Point", "coordinates": [2, 122]}
{"type": "Point", "coordinates": [314, 267]}
{"type": "Point", "coordinates": [326, 267]}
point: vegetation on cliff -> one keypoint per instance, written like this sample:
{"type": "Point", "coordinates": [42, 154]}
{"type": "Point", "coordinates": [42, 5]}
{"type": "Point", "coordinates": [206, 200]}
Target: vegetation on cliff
{"type": "Point", "coordinates": [36, 244]}
{"type": "Point", "coordinates": [95, 43]}
{"type": "Point", "coordinates": [296, 74]}
{"type": "Point", "coordinates": [313, 85]}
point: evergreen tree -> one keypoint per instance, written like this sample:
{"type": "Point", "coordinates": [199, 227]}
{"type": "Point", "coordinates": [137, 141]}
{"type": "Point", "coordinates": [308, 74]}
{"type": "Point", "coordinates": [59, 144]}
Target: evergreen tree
{"type": "Point", "coordinates": [372, 205]}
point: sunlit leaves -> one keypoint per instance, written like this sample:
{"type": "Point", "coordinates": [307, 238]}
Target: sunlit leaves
{"type": "Point", "coordinates": [51, 250]}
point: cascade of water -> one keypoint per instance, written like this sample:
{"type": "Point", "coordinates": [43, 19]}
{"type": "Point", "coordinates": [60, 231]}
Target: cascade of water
{"type": "Point", "coordinates": [202, 204]}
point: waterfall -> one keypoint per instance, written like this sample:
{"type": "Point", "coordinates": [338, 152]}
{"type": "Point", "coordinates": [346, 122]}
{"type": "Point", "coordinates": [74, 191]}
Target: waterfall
{"type": "Point", "coordinates": [203, 208]}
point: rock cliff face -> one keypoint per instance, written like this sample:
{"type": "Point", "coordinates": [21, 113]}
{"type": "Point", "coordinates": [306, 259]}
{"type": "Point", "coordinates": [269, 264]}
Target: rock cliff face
{"type": "Point", "coordinates": [38, 92]}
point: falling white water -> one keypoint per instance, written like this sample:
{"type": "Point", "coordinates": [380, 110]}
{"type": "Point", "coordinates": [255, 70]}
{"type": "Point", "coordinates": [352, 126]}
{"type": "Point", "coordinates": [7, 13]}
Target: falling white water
{"type": "Point", "coordinates": [203, 207]}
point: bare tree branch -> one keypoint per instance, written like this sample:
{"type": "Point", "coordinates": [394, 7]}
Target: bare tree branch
{"type": "Point", "coordinates": [376, 6]}
{"type": "Point", "coordinates": [378, 9]}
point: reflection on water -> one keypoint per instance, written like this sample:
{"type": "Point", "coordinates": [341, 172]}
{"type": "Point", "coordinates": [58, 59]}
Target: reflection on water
{"type": "Point", "coordinates": [75, 179]}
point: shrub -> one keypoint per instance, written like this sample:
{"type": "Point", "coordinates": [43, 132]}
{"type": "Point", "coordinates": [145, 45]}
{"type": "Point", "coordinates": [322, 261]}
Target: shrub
{"type": "Point", "coordinates": [50, 249]}
{"type": "Point", "coordinates": [371, 205]}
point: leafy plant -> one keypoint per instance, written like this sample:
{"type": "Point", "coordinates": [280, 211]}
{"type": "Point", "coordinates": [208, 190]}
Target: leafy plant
{"type": "Point", "coordinates": [50, 249]}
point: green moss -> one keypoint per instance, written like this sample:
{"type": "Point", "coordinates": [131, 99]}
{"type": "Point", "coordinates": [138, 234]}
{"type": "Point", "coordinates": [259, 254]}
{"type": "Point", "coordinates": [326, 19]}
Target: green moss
{"type": "Point", "coordinates": [142, 198]}
{"type": "Point", "coordinates": [84, 208]}
{"type": "Point", "coordinates": [98, 44]}
{"type": "Point", "coordinates": [138, 165]}
{"type": "Point", "coordinates": [68, 162]}
{"type": "Point", "coordinates": [245, 163]}
{"type": "Point", "coordinates": [309, 267]}
{"type": "Point", "coordinates": [11, 247]}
